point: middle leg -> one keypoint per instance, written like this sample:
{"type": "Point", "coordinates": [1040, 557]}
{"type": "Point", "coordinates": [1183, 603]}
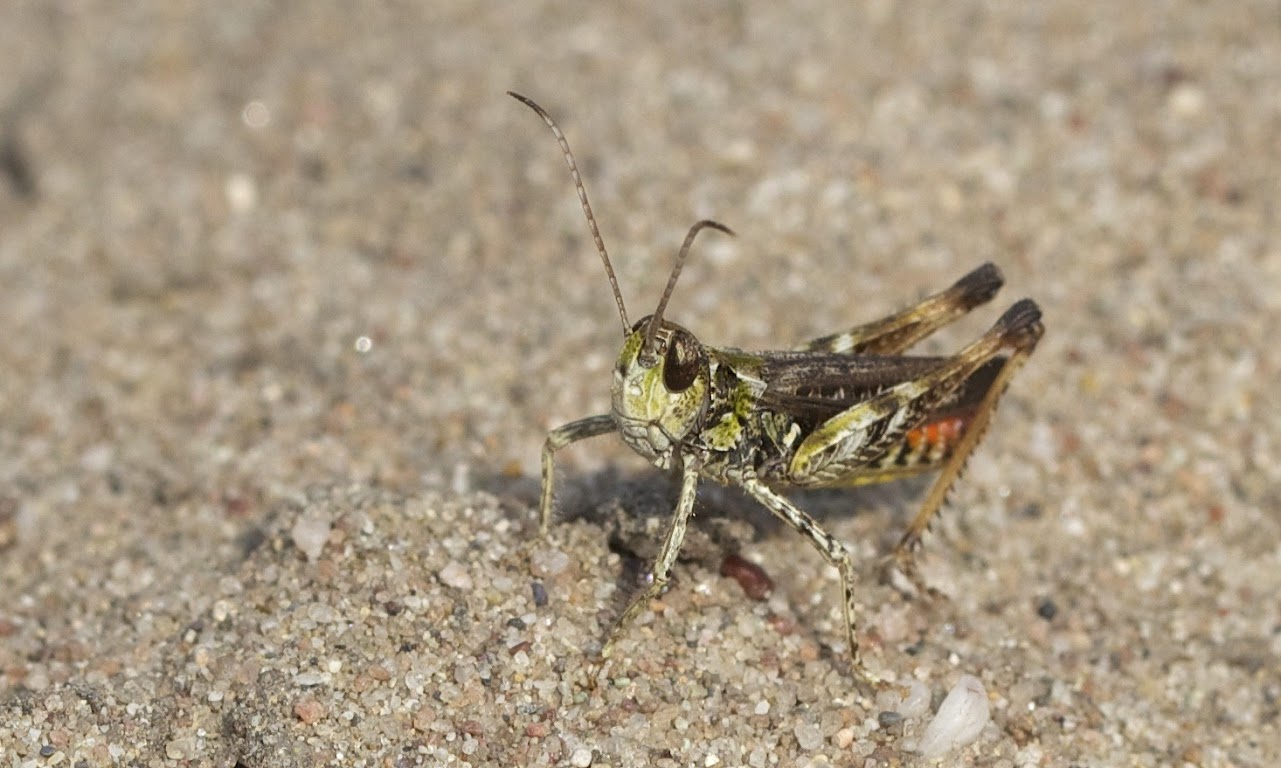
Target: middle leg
{"type": "Point", "coordinates": [832, 550]}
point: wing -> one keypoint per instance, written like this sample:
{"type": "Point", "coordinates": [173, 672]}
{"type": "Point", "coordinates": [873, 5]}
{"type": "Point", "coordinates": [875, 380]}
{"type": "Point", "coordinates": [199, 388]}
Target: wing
{"type": "Point", "coordinates": [814, 392]}
{"type": "Point", "coordinates": [813, 388]}
{"type": "Point", "coordinates": [930, 443]}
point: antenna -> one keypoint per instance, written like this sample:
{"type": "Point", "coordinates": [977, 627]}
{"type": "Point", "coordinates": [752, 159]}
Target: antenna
{"type": "Point", "coordinates": [587, 208]}
{"type": "Point", "coordinates": [657, 318]}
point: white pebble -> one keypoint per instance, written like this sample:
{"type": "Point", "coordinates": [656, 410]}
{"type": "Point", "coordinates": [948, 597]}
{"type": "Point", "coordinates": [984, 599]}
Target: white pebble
{"type": "Point", "coordinates": [917, 701]}
{"type": "Point", "coordinates": [309, 534]}
{"type": "Point", "coordinates": [241, 192]}
{"type": "Point", "coordinates": [455, 575]}
{"type": "Point", "coordinates": [309, 679]}
{"type": "Point", "coordinates": [1186, 100]}
{"type": "Point", "coordinates": [581, 758]}
{"type": "Point", "coordinates": [808, 736]}
{"type": "Point", "coordinates": [959, 720]}
{"type": "Point", "coordinates": [545, 562]}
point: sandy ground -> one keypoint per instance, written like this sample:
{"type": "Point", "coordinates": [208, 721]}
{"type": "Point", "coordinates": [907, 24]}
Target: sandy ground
{"type": "Point", "coordinates": [291, 294]}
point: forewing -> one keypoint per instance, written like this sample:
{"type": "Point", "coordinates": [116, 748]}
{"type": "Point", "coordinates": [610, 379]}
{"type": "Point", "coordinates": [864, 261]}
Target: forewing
{"type": "Point", "coordinates": [914, 440]}
{"type": "Point", "coordinates": [813, 388]}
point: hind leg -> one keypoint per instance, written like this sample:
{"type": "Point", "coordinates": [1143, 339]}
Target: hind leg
{"type": "Point", "coordinates": [1015, 334]}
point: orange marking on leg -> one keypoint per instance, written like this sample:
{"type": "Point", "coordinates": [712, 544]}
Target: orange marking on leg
{"type": "Point", "coordinates": [938, 434]}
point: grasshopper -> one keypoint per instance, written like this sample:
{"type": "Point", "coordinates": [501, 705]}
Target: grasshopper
{"type": "Point", "coordinates": [841, 410]}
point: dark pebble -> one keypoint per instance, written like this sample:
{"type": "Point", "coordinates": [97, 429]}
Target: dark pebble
{"type": "Point", "coordinates": [1047, 610]}
{"type": "Point", "coordinates": [889, 719]}
{"type": "Point", "coordinates": [755, 582]}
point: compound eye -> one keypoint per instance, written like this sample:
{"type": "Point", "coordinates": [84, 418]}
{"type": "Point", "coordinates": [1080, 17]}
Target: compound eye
{"type": "Point", "coordinates": [681, 363]}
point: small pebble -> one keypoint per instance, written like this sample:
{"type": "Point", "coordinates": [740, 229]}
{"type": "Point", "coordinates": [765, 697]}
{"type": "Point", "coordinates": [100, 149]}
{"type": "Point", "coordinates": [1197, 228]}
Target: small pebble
{"type": "Point", "coordinates": [581, 758]}
{"type": "Point", "coordinates": [1047, 610]}
{"type": "Point", "coordinates": [178, 749]}
{"type": "Point", "coordinates": [309, 710]}
{"type": "Point", "coordinates": [241, 192]}
{"type": "Point", "coordinates": [755, 582]}
{"type": "Point", "coordinates": [959, 721]}
{"type": "Point", "coordinates": [309, 679]}
{"type": "Point", "coordinates": [917, 701]}
{"type": "Point", "coordinates": [540, 593]}
{"type": "Point", "coordinates": [547, 562]}
{"type": "Point", "coordinates": [808, 736]}
{"type": "Point", "coordinates": [309, 534]}
{"type": "Point", "coordinates": [1187, 100]}
{"type": "Point", "coordinates": [887, 718]}
{"type": "Point", "coordinates": [455, 575]}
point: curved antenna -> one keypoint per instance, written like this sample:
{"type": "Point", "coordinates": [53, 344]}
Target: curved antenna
{"type": "Point", "coordinates": [582, 198]}
{"type": "Point", "coordinates": [657, 318]}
